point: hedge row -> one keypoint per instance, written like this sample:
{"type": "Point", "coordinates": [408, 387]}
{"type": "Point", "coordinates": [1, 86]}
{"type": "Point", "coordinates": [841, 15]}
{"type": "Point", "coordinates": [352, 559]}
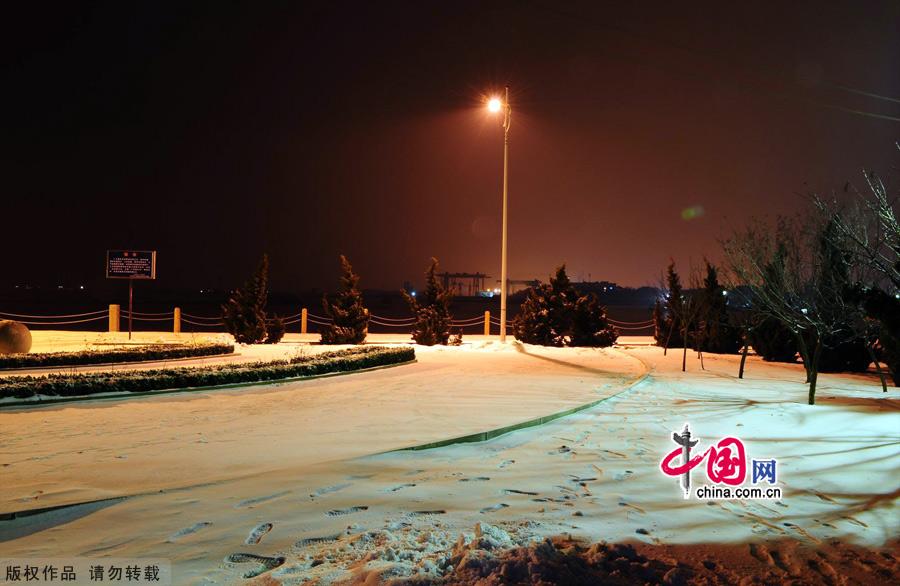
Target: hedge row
{"type": "Point", "coordinates": [138, 381]}
{"type": "Point", "coordinates": [140, 353]}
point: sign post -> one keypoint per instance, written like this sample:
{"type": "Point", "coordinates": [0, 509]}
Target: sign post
{"type": "Point", "coordinates": [130, 305]}
{"type": "Point", "coordinates": [131, 265]}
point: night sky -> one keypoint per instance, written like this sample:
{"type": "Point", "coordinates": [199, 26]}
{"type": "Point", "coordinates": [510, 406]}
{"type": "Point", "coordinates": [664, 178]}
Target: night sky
{"type": "Point", "coordinates": [216, 132]}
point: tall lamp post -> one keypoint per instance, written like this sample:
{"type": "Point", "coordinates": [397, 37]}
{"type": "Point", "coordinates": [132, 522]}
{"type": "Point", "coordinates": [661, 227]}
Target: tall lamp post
{"type": "Point", "coordinates": [497, 105]}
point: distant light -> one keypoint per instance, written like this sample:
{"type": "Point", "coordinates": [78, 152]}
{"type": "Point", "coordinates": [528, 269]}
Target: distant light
{"type": "Point", "coordinates": [494, 104]}
{"type": "Point", "coordinates": [413, 293]}
{"type": "Point", "coordinates": [724, 292]}
{"type": "Point", "coordinates": [692, 213]}
{"type": "Point", "coordinates": [805, 311]}
{"type": "Point", "coordinates": [81, 287]}
{"type": "Point", "coordinates": [59, 286]}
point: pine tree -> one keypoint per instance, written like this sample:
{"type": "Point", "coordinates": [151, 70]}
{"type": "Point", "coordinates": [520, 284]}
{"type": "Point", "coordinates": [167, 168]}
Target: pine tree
{"type": "Point", "coordinates": [844, 348]}
{"type": "Point", "coordinates": [245, 312]}
{"type": "Point", "coordinates": [553, 314]}
{"type": "Point", "coordinates": [532, 324]}
{"type": "Point", "coordinates": [350, 318]}
{"type": "Point", "coordinates": [589, 324]}
{"type": "Point", "coordinates": [669, 329]}
{"type": "Point", "coordinates": [562, 303]}
{"type": "Point", "coordinates": [660, 329]}
{"type": "Point", "coordinates": [716, 331]}
{"type": "Point", "coordinates": [432, 310]}
{"type": "Point", "coordinates": [545, 317]}
{"type": "Point", "coordinates": [772, 340]}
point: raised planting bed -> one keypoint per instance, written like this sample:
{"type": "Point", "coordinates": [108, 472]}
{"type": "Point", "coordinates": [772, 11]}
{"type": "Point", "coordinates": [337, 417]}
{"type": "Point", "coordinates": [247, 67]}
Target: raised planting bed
{"type": "Point", "coordinates": [114, 355]}
{"type": "Point", "coordinates": [142, 381]}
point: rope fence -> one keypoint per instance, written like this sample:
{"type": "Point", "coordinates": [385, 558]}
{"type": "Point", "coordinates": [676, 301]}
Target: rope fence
{"type": "Point", "coordinates": [54, 316]}
{"type": "Point", "coordinates": [383, 318]}
{"type": "Point", "coordinates": [304, 318]}
{"type": "Point", "coordinates": [136, 317]}
{"type": "Point", "coordinates": [62, 323]}
{"type": "Point", "coordinates": [201, 317]}
{"type": "Point", "coordinates": [196, 323]}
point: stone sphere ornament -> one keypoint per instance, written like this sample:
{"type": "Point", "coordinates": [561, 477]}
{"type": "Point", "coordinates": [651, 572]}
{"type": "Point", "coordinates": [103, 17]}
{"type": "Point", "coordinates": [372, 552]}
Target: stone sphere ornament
{"type": "Point", "coordinates": [15, 338]}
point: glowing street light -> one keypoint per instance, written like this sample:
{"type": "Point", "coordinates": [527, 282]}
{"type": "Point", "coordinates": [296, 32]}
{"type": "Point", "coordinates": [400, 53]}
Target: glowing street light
{"type": "Point", "coordinates": [496, 105]}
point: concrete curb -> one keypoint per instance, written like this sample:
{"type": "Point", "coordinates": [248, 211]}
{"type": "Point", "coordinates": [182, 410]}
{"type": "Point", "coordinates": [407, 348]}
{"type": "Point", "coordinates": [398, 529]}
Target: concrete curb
{"type": "Point", "coordinates": [497, 432]}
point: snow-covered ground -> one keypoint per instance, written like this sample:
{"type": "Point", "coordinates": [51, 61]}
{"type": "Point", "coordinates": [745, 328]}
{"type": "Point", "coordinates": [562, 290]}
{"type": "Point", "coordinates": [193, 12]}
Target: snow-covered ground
{"type": "Point", "coordinates": [290, 471]}
{"type": "Point", "coordinates": [83, 451]}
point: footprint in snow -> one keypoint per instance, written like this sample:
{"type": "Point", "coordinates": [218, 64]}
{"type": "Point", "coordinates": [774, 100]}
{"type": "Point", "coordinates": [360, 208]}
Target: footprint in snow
{"type": "Point", "coordinates": [266, 563]}
{"type": "Point", "coordinates": [475, 479]}
{"type": "Point", "coordinates": [399, 487]}
{"type": "Point", "coordinates": [188, 530]}
{"type": "Point", "coordinates": [506, 463]}
{"type": "Point", "coordinates": [580, 480]}
{"type": "Point", "coordinates": [307, 541]}
{"type": "Point", "coordinates": [329, 489]}
{"type": "Point", "coordinates": [623, 475]}
{"type": "Point", "coordinates": [347, 511]}
{"type": "Point", "coordinates": [493, 508]}
{"type": "Point", "coordinates": [257, 533]}
{"type": "Point", "coordinates": [260, 499]}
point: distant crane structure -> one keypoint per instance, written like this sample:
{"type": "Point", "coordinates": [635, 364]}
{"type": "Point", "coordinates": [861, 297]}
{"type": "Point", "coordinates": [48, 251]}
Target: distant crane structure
{"type": "Point", "coordinates": [464, 284]}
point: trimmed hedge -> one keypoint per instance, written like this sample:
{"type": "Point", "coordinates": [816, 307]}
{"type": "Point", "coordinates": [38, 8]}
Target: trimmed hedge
{"type": "Point", "coordinates": [140, 381]}
{"type": "Point", "coordinates": [138, 354]}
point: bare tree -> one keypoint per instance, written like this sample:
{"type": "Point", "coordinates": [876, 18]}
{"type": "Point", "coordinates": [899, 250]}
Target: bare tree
{"type": "Point", "coordinates": [868, 231]}
{"type": "Point", "coordinates": [791, 278]}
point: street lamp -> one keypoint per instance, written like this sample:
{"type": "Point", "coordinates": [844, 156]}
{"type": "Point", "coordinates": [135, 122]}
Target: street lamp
{"type": "Point", "coordinates": [496, 105]}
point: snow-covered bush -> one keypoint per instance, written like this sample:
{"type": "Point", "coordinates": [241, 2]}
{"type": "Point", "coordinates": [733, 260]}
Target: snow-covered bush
{"type": "Point", "coordinates": [275, 330]}
{"type": "Point", "coordinates": [140, 381]}
{"type": "Point", "coordinates": [115, 355]}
